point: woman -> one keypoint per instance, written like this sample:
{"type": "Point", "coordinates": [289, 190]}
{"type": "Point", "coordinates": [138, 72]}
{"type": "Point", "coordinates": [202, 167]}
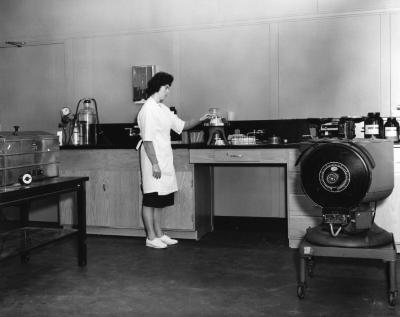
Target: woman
{"type": "Point", "coordinates": [159, 183]}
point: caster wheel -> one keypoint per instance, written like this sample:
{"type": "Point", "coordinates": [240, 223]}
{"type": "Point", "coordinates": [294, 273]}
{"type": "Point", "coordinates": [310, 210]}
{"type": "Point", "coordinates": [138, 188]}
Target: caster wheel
{"type": "Point", "coordinates": [392, 298]}
{"type": "Point", "coordinates": [301, 291]}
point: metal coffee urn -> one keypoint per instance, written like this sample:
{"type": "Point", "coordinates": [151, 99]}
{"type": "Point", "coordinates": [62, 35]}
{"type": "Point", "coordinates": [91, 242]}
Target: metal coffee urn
{"type": "Point", "coordinates": [347, 178]}
{"type": "Point", "coordinates": [87, 121]}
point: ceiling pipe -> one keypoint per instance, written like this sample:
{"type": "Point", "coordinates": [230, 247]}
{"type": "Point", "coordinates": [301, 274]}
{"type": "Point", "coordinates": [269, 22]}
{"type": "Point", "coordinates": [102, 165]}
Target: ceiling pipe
{"type": "Point", "coordinates": [16, 43]}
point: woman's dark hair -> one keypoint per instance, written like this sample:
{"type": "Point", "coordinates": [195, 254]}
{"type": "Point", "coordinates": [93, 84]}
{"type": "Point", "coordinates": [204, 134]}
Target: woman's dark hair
{"type": "Point", "coordinates": [158, 80]}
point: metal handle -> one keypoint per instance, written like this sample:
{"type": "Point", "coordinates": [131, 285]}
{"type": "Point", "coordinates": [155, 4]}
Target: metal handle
{"type": "Point", "coordinates": [131, 132]}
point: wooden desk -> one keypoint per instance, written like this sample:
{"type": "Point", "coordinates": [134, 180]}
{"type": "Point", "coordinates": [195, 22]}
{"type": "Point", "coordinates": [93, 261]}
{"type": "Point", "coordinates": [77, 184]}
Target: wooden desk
{"type": "Point", "coordinates": [301, 212]}
{"type": "Point", "coordinates": [25, 238]}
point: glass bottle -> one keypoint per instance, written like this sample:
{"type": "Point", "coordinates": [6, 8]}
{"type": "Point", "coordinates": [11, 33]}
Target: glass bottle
{"type": "Point", "coordinates": [392, 129]}
{"type": "Point", "coordinates": [371, 126]}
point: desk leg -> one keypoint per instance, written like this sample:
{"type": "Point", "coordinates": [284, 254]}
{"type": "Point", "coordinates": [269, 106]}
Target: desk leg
{"type": "Point", "coordinates": [24, 213]}
{"type": "Point", "coordinates": [81, 200]}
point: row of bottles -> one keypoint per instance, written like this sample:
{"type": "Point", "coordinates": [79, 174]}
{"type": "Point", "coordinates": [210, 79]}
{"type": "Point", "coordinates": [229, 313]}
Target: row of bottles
{"type": "Point", "coordinates": [375, 128]}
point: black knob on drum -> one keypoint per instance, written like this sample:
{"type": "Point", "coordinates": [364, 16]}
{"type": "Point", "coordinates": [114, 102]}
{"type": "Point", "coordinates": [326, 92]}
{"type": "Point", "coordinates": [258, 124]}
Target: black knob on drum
{"type": "Point", "coordinates": [25, 179]}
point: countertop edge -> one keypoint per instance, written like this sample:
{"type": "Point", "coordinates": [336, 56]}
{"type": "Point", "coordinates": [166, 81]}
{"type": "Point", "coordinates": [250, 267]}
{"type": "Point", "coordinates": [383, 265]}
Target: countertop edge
{"type": "Point", "coordinates": [189, 146]}
{"type": "Point", "coordinates": [182, 146]}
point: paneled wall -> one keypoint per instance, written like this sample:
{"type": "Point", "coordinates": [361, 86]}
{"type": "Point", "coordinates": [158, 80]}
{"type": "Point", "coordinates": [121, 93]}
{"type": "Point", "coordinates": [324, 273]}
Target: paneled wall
{"type": "Point", "coordinates": [273, 59]}
{"type": "Point", "coordinates": [330, 66]}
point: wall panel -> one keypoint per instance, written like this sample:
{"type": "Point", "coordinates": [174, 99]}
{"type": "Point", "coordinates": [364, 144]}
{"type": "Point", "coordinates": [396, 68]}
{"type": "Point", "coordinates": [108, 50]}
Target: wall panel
{"type": "Point", "coordinates": [330, 67]}
{"type": "Point", "coordinates": [356, 5]}
{"type": "Point", "coordinates": [226, 68]}
{"type": "Point", "coordinates": [102, 68]}
{"type": "Point", "coordinates": [395, 64]}
{"type": "Point", "coordinates": [32, 87]}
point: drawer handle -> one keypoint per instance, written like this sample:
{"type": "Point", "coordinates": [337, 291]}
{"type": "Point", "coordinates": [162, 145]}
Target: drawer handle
{"type": "Point", "coordinates": [236, 155]}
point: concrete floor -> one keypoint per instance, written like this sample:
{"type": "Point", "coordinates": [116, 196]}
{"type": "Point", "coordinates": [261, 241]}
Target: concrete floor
{"type": "Point", "coordinates": [230, 272]}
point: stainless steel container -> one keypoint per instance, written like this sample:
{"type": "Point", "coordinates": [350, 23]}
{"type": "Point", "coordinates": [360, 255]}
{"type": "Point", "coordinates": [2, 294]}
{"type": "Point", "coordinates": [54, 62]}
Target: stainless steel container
{"type": "Point", "coordinates": [32, 152]}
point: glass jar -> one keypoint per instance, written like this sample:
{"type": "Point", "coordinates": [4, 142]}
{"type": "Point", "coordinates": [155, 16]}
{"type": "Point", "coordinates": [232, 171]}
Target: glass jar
{"type": "Point", "coordinates": [373, 126]}
{"type": "Point", "coordinates": [391, 128]}
{"type": "Point", "coordinates": [216, 118]}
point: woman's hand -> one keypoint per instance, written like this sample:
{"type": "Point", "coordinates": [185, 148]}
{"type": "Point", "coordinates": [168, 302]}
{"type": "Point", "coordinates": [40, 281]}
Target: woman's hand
{"type": "Point", "coordinates": [156, 171]}
{"type": "Point", "coordinates": [205, 117]}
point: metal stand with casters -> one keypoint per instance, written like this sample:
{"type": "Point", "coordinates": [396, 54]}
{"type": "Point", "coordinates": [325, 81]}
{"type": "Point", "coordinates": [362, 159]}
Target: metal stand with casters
{"type": "Point", "coordinates": [385, 253]}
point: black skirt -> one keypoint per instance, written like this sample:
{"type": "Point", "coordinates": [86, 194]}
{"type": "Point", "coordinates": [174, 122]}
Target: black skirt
{"type": "Point", "coordinates": [158, 201]}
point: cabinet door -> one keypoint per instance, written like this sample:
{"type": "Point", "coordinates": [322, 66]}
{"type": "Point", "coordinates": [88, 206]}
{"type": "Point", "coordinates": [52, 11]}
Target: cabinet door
{"type": "Point", "coordinates": [111, 199]}
{"type": "Point", "coordinates": [112, 192]}
{"type": "Point", "coordinates": [181, 215]}
{"type": "Point", "coordinates": [387, 214]}
{"type": "Point", "coordinates": [94, 197]}
{"type": "Point", "coordinates": [120, 197]}
{"type": "Point", "coordinates": [67, 202]}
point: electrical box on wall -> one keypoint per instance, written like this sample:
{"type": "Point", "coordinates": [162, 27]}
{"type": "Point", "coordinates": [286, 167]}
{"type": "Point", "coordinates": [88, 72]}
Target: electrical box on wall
{"type": "Point", "coordinates": [140, 76]}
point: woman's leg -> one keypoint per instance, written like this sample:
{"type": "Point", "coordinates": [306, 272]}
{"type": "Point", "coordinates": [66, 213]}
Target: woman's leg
{"type": "Point", "coordinates": [148, 221]}
{"type": "Point", "coordinates": [157, 222]}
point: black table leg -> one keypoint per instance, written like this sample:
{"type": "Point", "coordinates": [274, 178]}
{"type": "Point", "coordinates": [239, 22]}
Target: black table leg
{"type": "Point", "coordinates": [24, 220]}
{"type": "Point", "coordinates": [81, 201]}
{"type": "Point", "coordinates": [24, 213]}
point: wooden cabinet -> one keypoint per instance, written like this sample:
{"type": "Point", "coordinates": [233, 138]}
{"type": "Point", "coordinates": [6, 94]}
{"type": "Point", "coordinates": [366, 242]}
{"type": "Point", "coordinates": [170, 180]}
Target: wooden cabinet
{"type": "Point", "coordinates": [177, 216]}
{"type": "Point", "coordinates": [114, 198]}
{"type": "Point", "coordinates": [301, 210]}
{"type": "Point", "coordinates": [112, 193]}
{"type": "Point", "coordinates": [388, 210]}
{"type": "Point", "coordinates": [191, 215]}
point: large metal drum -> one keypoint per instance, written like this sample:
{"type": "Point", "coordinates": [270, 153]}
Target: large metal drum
{"type": "Point", "coordinates": [342, 174]}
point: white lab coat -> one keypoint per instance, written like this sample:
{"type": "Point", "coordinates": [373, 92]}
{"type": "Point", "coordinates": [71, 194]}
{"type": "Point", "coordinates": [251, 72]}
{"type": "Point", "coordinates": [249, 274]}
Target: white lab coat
{"type": "Point", "coordinates": [155, 121]}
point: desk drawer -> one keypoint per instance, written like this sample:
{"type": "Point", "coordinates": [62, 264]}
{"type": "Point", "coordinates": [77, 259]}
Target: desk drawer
{"type": "Point", "coordinates": [251, 156]}
{"type": "Point", "coordinates": [234, 156]}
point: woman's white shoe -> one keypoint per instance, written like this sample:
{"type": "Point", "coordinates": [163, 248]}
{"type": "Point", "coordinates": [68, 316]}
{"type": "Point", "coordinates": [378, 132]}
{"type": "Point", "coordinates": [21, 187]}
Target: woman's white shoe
{"type": "Point", "coordinates": [167, 240]}
{"type": "Point", "coordinates": [156, 243]}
